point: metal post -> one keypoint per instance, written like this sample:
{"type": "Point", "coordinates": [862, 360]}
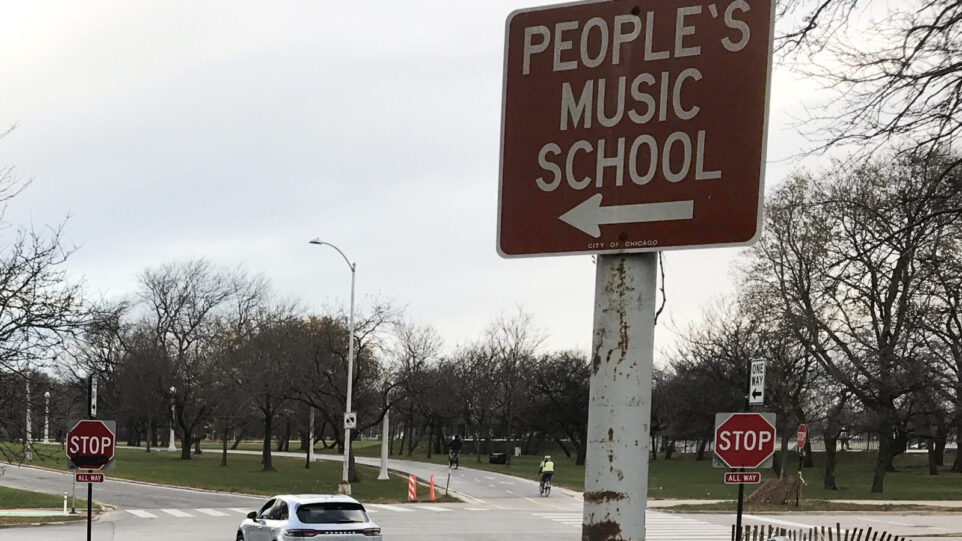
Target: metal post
{"type": "Point", "coordinates": [619, 409]}
{"type": "Point", "coordinates": [46, 417]}
{"type": "Point", "coordinates": [92, 397]}
{"type": "Point", "coordinates": [172, 446]}
{"type": "Point", "coordinates": [90, 499]}
{"type": "Point", "coordinates": [345, 487]}
{"type": "Point", "coordinates": [28, 437]}
{"type": "Point", "coordinates": [385, 438]}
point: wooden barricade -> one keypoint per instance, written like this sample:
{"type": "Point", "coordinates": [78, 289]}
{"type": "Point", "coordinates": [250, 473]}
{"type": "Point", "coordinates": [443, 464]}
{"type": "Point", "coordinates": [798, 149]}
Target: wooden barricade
{"type": "Point", "coordinates": [823, 533]}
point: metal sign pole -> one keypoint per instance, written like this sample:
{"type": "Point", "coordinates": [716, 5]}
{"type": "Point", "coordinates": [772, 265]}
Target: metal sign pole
{"type": "Point", "coordinates": [92, 411]}
{"type": "Point", "coordinates": [619, 409]}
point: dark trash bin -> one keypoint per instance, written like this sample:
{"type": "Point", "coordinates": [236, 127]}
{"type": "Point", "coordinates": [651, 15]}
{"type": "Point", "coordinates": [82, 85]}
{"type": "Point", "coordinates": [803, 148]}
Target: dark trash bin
{"type": "Point", "coordinates": [498, 458]}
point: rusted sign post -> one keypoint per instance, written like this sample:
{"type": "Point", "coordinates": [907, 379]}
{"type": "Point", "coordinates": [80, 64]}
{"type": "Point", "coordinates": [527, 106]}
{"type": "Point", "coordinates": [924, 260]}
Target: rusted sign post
{"type": "Point", "coordinates": [619, 410]}
{"type": "Point", "coordinates": [630, 128]}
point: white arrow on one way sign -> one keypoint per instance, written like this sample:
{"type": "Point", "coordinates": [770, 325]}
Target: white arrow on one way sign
{"type": "Point", "coordinates": [589, 214]}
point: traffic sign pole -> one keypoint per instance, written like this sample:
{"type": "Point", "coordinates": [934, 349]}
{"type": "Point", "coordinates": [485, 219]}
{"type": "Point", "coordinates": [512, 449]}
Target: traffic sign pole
{"type": "Point", "coordinates": [90, 487]}
{"type": "Point", "coordinates": [619, 408]}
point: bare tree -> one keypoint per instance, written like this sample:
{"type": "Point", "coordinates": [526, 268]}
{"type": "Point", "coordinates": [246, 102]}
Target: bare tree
{"type": "Point", "coordinates": [843, 252]}
{"type": "Point", "coordinates": [183, 301]}
{"type": "Point", "coordinates": [514, 342]}
{"type": "Point", "coordinates": [895, 70]}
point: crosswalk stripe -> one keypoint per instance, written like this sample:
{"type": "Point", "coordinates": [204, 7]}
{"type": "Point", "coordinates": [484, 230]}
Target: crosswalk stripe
{"type": "Point", "coordinates": [141, 514]}
{"type": "Point", "coordinates": [397, 508]}
{"type": "Point", "coordinates": [211, 512]}
{"type": "Point", "coordinates": [239, 510]}
{"type": "Point", "coordinates": [432, 507]}
{"type": "Point", "coordinates": [177, 513]}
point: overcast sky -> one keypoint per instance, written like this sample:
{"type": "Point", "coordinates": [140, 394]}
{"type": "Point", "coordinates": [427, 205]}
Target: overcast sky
{"type": "Point", "coordinates": [239, 130]}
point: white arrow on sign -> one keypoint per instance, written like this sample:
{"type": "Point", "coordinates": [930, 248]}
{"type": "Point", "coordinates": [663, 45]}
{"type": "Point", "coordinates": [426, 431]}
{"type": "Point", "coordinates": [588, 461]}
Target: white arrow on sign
{"type": "Point", "coordinates": [589, 215]}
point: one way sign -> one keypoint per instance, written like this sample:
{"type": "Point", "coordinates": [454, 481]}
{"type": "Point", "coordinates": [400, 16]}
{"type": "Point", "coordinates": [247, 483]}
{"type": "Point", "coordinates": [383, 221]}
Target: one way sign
{"type": "Point", "coordinates": [756, 383]}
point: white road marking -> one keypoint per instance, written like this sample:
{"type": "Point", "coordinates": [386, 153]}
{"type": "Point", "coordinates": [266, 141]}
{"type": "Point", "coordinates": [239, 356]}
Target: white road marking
{"type": "Point", "coordinates": [141, 514]}
{"type": "Point", "coordinates": [887, 522]}
{"type": "Point", "coordinates": [176, 513]}
{"type": "Point", "coordinates": [378, 506]}
{"type": "Point", "coordinates": [211, 512]}
{"type": "Point", "coordinates": [239, 510]}
{"type": "Point", "coordinates": [432, 507]}
{"type": "Point", "coordinates": [475, 509]}
{"type": "Point", "coordinates": [777, 521]}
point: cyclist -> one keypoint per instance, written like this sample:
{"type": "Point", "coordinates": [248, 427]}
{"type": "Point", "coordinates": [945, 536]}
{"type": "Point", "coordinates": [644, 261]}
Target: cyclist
{"type": "Point", "coordinates": [454, 452]}
{"type": "Point", "coordinates": [546, 469]}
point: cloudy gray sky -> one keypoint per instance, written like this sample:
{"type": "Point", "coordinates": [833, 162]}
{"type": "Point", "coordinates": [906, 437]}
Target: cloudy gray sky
{"type": "Point", "coordinates": [239, 130]}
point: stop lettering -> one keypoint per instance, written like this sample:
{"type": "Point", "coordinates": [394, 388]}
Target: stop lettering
{"type": "Point", "coordinates": [741, 440]}
{"type": "Point", "coordinates": [90, 445]}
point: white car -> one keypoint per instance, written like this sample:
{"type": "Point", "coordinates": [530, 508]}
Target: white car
{"type": "Point", "coordinates": [321, 517]}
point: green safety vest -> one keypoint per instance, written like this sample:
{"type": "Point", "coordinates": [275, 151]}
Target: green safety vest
{"type": "Point", "coordinates": [547, 467]}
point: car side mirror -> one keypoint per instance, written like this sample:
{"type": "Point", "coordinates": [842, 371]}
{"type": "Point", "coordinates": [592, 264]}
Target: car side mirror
{"type": "Point", "coordinates": [252, 515]}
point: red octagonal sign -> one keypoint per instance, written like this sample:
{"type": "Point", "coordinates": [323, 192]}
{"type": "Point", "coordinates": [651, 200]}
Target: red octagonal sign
{"type": "Point", "coordinates": [90, 445]}
{"type": "Point", "coordinates": [744, 440]}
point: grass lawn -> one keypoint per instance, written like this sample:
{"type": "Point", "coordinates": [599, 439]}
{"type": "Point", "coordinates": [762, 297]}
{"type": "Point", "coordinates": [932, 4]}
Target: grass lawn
{"type": "Point", "coordinates": [685, 478]}
{"type": "Point", "coordinates": [242, 474]}
{"type": "Point", "coordinates": [11, 498]}
{"type": "Point", "coordinates": [679, 478]}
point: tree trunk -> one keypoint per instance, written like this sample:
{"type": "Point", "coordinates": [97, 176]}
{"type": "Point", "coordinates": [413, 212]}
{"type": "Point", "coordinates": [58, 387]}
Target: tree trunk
{"type": "Point", "coordinates": [700, 451]}
{"type": "Point", "coordinates": [223, 451]}
{"type": "Point", "coordinates": [582, 451]}
{"type": "Point", "coordinates": [653, 441]}
{"type": "Point", "coordinates": [185, 443]}
{"type": "Point", "coordinates": [883, 460]}
{"type": "Point", "coordinates": [670, 449]}
{"type": "Point", "coordinates": [941, 438]}
{"type": "Point", "coordinates": [239, 438]}
{"type": "Point", "coordinates": [266, 451]}
{"type": "Point", "coordinates": [957, 465]}
{"type": "Point", "coordinates": [933, 461]}
{"type": "Point", "coordinates": [352, 475]}
{"type": "Point", "coordinates": [831, 458]}
{"type": "Point", "coordinates": [809, 460]}
{"type": "Point", "coordinates": [150, 432]}
{"type": "Point", "coordinates": [197, 441]}
{"type": "Point", "coordinates": [430, 440]}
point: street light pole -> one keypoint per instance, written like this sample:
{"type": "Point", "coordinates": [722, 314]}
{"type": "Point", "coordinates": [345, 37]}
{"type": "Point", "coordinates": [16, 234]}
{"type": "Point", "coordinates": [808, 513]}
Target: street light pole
{"type": "Point", "coordinates": [173, 419]}
{"type": "Point", "coordinates": [46, 417]}
{"type": "Point", "coordinates": [345, 487]}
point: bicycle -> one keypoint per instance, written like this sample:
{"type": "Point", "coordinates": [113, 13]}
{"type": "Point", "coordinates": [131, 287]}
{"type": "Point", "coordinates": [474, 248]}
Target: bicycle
{"type": "Point", "coordinates": [454, 459]}
{"type": "Point", "coordinates": [546, 487]}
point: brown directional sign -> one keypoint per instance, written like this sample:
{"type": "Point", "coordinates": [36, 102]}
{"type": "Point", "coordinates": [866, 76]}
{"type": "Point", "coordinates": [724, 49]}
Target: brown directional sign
{"type": "Point", "coordinates": [630, 127]}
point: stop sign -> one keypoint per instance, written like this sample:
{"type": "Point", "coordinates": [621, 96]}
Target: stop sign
{"type": "Point", "coordinates": [90, 444]}
{"type": "Point", "coordinates": [744, 440]}
{"type": "Point", "coordinates": [802, 435]}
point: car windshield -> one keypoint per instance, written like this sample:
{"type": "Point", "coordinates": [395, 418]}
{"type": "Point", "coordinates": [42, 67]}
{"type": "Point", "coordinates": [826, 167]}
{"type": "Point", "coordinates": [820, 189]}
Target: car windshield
{"type": "Point", "coordinates": [331, 513]}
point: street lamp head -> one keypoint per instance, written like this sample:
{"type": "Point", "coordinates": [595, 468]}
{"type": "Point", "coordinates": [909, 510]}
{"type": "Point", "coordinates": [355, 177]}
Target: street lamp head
{"type": "Point", "coordinates": [46, 394]}
{"type": "Point", "coordinates": [173, 389]}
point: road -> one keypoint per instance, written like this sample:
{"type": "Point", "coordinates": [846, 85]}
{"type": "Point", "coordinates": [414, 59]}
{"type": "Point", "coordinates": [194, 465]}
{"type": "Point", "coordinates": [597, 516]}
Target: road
{"type": "Point", "coordinates": [496, 507]}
